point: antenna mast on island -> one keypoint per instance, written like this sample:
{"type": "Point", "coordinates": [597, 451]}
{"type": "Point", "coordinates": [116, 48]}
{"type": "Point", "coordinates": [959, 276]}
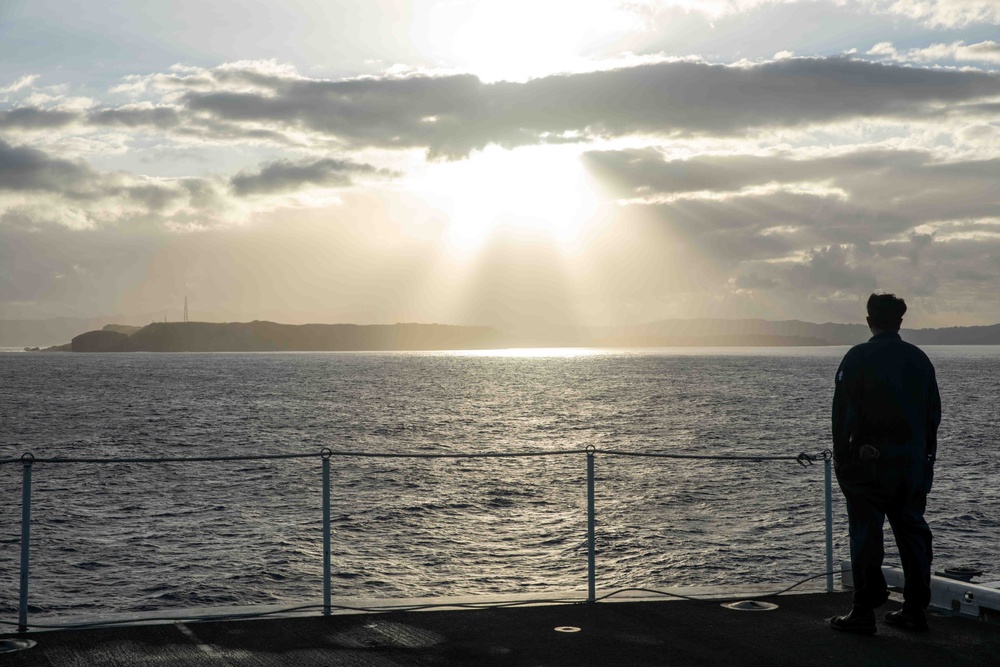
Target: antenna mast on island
{"type": "Point", "coordinates": [185, 309]}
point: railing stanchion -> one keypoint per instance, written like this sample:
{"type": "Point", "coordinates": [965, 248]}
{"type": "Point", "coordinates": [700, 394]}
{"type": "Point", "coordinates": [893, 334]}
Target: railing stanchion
{"type": "Point", "coordinates": [828, 487]}
{"type": "Point", "coordinates": [326, 532]}
{"type": "Point", "coordinates": [591, 560]}
{"type": "Point", "coordinates": [22, 613]}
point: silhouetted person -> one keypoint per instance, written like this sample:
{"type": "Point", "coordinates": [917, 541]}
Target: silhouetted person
{"type": "Point", "coordinates": [886, 411]}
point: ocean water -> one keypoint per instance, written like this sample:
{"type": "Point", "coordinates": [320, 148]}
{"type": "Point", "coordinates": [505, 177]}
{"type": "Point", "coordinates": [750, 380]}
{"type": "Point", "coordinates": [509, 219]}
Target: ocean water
{"type": "Point", "coordinates": [122, 538]}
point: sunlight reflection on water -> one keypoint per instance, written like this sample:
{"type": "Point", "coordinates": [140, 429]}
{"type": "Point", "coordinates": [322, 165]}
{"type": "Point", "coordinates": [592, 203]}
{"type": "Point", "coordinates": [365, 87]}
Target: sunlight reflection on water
{"type": "Point", "coordinates": [531, 352]}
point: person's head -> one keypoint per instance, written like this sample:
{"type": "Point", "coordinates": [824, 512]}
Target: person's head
{"type": "Point", "coordinates": [885, 312]}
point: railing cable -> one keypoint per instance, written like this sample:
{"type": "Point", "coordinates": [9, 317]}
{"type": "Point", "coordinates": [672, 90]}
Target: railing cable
{"type": "Point", "coordinates": [802, 458]}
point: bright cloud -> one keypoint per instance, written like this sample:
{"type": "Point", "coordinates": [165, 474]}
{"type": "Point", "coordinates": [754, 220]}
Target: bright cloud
{"type": "Point", "coordinates": [25, 81]}
{"type": "Point", "coordinates": [981, 52]}
{"type": "Point", "coordinates": [941, 13]}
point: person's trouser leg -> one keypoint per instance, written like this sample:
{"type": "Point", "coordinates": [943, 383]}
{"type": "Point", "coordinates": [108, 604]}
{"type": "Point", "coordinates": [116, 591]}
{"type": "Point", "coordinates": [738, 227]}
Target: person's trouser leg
{"type": "Point", "coordinates": [865, 520]}
{"type": "Point", "coordinates": [913, 538]}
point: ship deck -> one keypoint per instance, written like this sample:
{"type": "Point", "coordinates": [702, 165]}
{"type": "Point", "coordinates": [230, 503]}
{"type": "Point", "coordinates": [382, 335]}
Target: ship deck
{"type": "Point", "coordinates": [629, 632]}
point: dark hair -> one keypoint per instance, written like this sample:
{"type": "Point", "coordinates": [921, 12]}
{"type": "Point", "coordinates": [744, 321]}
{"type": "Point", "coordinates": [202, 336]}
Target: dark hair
{"type": "Point", "coordinates": [886, 311]}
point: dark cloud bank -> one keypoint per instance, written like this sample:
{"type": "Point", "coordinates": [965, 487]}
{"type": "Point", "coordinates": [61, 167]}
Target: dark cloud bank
{"type": "Point", "coordinates": [451, 115]}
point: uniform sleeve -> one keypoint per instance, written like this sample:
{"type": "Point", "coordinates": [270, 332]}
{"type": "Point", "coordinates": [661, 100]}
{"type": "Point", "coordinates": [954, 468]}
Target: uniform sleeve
{"type": "Point", "coordinates": [846, 404]}
{"type": "Point", "coordinates": [933, 417]}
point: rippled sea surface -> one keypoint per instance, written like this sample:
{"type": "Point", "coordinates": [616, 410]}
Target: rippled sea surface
{"type": "Point", "coordinates": [124, 537]}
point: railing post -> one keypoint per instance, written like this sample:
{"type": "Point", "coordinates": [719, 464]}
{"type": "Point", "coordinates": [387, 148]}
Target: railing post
{"type": "Point", "coordinates": [591, 560]}
{"type": "Point", "coordinates": [22, 614]}
{"type": "Point", "coordinates": [326, 530]}
{"type": "Point", "coordinates": [828, 487]}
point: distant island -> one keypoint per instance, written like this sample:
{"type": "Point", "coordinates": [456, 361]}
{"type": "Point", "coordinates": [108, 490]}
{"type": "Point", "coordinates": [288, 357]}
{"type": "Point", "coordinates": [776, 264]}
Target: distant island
{"type": "Point", "coordinates": [260, 336]}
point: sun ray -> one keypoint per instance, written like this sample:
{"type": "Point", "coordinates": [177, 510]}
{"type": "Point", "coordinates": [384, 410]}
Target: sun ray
{"type": "Point", "coordinates": [538, 189]}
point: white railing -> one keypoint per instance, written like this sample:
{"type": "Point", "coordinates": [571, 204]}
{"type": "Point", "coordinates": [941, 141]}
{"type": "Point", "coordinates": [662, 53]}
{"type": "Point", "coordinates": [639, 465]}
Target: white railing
{"type": "Point", "coordinates": [28, 461]}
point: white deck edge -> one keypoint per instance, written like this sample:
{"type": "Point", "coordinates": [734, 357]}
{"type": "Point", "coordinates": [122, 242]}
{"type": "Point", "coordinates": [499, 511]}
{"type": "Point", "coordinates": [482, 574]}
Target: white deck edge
{"type": "Point", "coordinates": [965, 598]}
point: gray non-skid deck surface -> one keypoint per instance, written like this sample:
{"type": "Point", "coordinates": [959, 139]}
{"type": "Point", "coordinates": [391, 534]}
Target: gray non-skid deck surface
{"type": "Point", "coordinates": [626, 633]}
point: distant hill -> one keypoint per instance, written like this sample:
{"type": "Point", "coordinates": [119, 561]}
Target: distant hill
{"type": "Point", "coordinates": [749, 332]}
{"type": "Point", "coordinates": [988, 335]}
{"type": "Point", "coordinates": [667, 333]}
{"type": "Point", "coordinates": [270, 337]}
{"type": "Point", "coordinates": [706, 340]}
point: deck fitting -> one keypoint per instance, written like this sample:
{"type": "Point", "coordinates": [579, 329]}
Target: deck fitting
{"type": "Point", "coordinates": [750, 605]}
{"type": "Point", "coordinates": [15, 645]}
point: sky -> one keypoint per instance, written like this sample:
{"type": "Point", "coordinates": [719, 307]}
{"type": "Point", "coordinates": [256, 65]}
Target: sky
{"type": "Point", "coordinates": [522, 165]}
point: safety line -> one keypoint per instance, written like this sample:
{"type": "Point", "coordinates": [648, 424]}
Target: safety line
{"type": "Point", "coordinates": [802, 457]}
{"type": "Point", "coordinates": [713, 457]}
{"type": "Point", "coordinates": [160, 459]}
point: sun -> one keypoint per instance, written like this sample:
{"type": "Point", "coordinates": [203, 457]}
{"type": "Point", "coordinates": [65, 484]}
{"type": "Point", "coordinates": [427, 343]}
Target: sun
{"type": "Point", "coordinates": [514, 40]}
{"type": "Point", "coordinates": [538, 189]}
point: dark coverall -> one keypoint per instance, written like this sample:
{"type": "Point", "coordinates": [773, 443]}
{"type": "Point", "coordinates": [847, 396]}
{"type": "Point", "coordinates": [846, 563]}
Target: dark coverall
{"type": "Point", "coordinates": [886, 412]}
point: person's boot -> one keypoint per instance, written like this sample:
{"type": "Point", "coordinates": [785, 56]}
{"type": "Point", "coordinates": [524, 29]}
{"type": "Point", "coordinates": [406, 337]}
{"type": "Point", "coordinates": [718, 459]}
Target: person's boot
{"type": "Point", "coordinates": [860, 621]}
{"type": "Point", "coordinates": [908, 618]}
